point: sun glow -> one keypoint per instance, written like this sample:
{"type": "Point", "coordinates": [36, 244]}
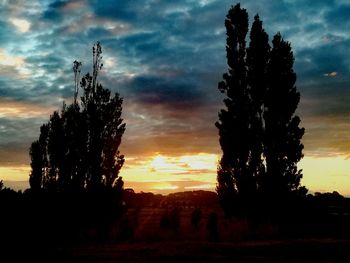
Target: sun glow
{"type": "Point", "coordinates": [172, 173]}
{"type": "Point", "coordinates": [165, 174]}
{"type": "Point", "coordinates": [164, 186]}
{"type": "Point", "coordinates": [324, 174]}
{"type": "Point", "coordinates": [164, 165]}
{"type": "Point", "coordinates": [202, 186]}
{"type": "Point", "coordinates": [184, 164]}
{"type": "Point", "coordinates": [198, 171]}
{"type": "Point", "coordinates": [14, 173]}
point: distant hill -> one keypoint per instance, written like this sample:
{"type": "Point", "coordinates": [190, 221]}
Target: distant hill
{"type": "Point", "coordinates": [199, 198]}
{"type": "Point", "coordinates": [16, 185]}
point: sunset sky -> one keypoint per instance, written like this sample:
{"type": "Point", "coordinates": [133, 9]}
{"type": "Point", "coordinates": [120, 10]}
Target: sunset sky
{"type": "Point", "coordinates": [165, 58]}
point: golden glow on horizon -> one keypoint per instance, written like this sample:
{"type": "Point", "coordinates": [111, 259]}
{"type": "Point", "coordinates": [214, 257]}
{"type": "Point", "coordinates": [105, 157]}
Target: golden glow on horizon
{"type": "Point", "coordinates": [171, 173]}
{"type": "Point", "coordinates": [320, 174]}
{"type": "Point", "coordinates": [14, 173]}
{"type": "Point", "coordinates": [326, 174]}
{"type": "Point", "coordinates": [184, 164]}
{"type": "Point", "coordinates": [164, 186]}
{"type": "Point", "coordinates": [165, 174]}
{"type": "Point", "coordinates": [161, 164]}
{"type": "Point", "coordinates": [202, 186]}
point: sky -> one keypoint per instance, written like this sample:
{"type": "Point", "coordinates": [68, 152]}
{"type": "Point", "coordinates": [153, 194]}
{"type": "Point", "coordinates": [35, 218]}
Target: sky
{"type": "Point", "coordinates": [165, 58]}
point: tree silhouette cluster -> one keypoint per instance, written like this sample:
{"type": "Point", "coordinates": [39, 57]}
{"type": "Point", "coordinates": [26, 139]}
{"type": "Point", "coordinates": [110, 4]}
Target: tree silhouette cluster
{"type": "Point", "coordinates": [259, 132]}
{"type": "Point", "coordinates": [77, 149]}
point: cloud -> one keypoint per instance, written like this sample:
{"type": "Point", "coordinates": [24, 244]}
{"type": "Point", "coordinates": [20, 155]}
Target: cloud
{"type": "Point", "coordinates": [120, 10]}
{"type": "Point", "coordinates": [55, 11]}
{"type": "Point", "coordinates": [338, 17]}
{"type": "Point", "coordinates": [16, 136]}
{"type": "Point", "coordinates": [21, 24]}
{"type": "Point", "coordinates": [156, 89]}
{"type": "Point", "coordinates": [22, 110]}
{"type": "Point", "coordinates": [165, 58]}
{"type": "Point", "coordinates": [331, 74]}
{"type": "Point", "coordinates": [169, 128]}
{"type": "Point", "coordinates": [12, 66]}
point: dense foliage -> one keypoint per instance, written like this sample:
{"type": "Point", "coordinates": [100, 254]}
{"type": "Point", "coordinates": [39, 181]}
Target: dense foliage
{"type": "Point", "coordinates": [259, 132]}
{"type": "Point", "coordinates": [77, 149]}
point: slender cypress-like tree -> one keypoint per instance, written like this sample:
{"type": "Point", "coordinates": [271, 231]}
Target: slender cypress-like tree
{"type": "Point", "coordinates": [39, 161]}
{"type": "Point", "coordinates": [56, 151]}
{"type": "Point", "coordinates": [259, 134]}
{"type": "Point", "coordinates": [257, 61]}
{"type": "Point", "coordinates": [283, 147]}
{"type": "Point", "coordinates": [36, 176]}
{"type": "Point", "coordinates": [233, 121]}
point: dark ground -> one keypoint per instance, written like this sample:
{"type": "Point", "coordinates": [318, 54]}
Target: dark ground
{"type": "Point", "coordinates": [298, 250]}
{"type": "Point", "coordinates": [59, 229]}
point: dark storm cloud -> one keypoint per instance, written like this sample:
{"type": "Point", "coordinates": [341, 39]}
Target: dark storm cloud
{"type": "Point", "coordinates": [121, 10]}
{"type": "Point", "coordinates": [158, 90]}
{"type": "Point", "coordinates": [53, 13]}
{"type": "Point", "coordinates": [8, 90]}
{"type": "Point", "coordinates": [327, 56]}
{"type": "Point", "coordinates": [338, 17]}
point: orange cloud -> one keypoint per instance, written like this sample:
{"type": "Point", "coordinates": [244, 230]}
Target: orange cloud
{"type": "Point", "coordinates": [17, 109]}
{"type": "Point", "coordinates": [74, 5]}
{"type": "Point", "coordinates": [331, 74]}
{"type": "Point", "coordinates": [91, 21]}
{"type": "Point", "coordinates": [13, 66]}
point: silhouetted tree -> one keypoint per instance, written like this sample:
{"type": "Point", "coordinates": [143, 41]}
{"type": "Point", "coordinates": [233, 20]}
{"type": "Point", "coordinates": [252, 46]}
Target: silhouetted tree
{"type": "Point", "coordinates": [39, 161]}
{"type": "Point", "coordinates": [259, 135]}
{"type": "Point", "coordinates": [75, 128]}
{"type": "Point", "coordinates": [233, 122]}
{"type": "Point", "coordinates": [36, 176]}
{"type": "Point", "coordinates": [165, 220]}
{"type": "Point", "coordinates": [76, 70]}
{"type": "Point", "coordinates": [78, 148]}
{"type": "Point", "coordinates": [57, 179]}
{"type": "Point", "coordinates": [257, 60]}
{"type": "Point", "coordinates": [212, 226]}
{"type": "Point", "coordinates": [196, 217]}
{"type": "Point", "coordinates": [283, 147]}
{"type": "Point", "coordinates": [105, 128]}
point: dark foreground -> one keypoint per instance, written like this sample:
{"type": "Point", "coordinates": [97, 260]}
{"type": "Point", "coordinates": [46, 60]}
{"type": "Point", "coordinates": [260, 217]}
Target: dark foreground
{"type": "Point", "coordinates": [298, 250]}
{"type": "Point", "coordinates": [187, 227]}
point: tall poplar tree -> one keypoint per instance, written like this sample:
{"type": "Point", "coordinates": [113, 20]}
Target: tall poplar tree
{"type": "Point", "coordinates": [257, 60]}
{"type": "Point", "coordinates": [233, 121]}
{"type": "Point", "coordinates": [259, 133]}
{"type": "Point", "coordinates": [283, 147]}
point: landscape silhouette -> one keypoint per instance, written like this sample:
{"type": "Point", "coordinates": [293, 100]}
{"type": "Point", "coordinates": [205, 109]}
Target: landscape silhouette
{"type": "Point", "coordinates": [77, 208]}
